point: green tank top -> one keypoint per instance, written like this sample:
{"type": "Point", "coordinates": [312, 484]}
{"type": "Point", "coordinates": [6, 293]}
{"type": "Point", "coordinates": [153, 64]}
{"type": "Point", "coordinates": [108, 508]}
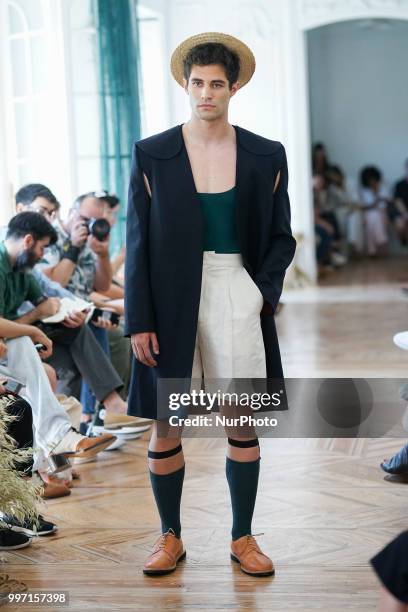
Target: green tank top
{"type": "Point", "coordinates": [220, 232]}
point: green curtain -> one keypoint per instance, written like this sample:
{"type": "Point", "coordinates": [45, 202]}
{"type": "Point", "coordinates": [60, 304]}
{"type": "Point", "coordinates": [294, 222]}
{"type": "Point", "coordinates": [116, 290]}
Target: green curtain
{"type": "Point", "coordinates": [118, 61]}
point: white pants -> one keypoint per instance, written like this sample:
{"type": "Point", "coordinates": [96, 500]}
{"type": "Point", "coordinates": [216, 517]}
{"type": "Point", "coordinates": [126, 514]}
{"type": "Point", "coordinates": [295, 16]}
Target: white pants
{"type": "Point", "coordinates": [376, 229]}
{"type": "Point", "coordinates": [229, 340]}
{"type": "Point", "coordinates": [50, 421]}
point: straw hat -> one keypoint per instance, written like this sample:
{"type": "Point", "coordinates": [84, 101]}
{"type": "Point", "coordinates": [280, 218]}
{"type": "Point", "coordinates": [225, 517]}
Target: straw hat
{"type": "Point", "coordinates": [246, 57]}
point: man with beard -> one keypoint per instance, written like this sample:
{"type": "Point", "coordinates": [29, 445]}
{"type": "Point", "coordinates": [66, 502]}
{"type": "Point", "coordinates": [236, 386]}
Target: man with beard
{"type": "Point", "coordinates": [73, 348]}
{"type": "Point", "coordinates": [76, 268]}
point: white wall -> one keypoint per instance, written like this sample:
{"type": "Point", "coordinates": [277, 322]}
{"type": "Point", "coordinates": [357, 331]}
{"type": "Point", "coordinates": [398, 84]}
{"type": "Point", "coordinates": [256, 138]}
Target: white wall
{"type": "Point", "coordinates": [359, 93]}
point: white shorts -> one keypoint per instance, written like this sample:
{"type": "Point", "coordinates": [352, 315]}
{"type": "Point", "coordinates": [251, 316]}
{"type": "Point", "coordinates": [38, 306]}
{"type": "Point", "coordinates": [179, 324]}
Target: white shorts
{"type": "Point", "coordinates": [229, 342]}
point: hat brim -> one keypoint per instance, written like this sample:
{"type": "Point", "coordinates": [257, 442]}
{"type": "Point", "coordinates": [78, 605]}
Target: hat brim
{"type": "Point", "coordinates": [246, 57]}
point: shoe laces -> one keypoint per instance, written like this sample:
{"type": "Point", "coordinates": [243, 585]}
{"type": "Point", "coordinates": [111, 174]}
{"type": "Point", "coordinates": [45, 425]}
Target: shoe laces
{"type": "Point", "coordinates": [252, 545]}
{"type": "Point", "coordinates": [163, 538]}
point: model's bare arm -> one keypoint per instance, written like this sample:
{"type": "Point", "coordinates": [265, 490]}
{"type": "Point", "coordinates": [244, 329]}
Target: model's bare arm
{"type": "Point", "coordinates": [141, 348]}
{"type": "Point", "coordinates": [277, 181]}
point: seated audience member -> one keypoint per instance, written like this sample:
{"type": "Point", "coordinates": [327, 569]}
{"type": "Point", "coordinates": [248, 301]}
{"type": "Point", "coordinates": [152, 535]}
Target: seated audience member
{"type": "Point", "coordinates": [374, 201]}
{"type": "Point", "coordinates": [52, 486]}
{"type": "Point", "coordinates": [339, 199]}
{"type": "Point", "coordinates": [119, 346]}
{"type": "Point", "coordinates": [18, 533]}
{"type": "Point", "coordinates": [347, 209]}
{"type": "Point", "coordinates": [325, 205]}
{"type": "Point", "coordinates": [391, 567]}
{"type": "Point", "coordinates": [401, 203]}
{"type": "Point", "coordinates": [38, 198]}
{"type": "Point", "coordinates": [327, 232]}
{"type": "Point", "coordinates": [80, 262]}
{"type": "Point", "coordinates": [324, 237]}
{"type": "Point", "coordinates": [75, 352]}
{"type": "Point", "coordinates": [53, 430]}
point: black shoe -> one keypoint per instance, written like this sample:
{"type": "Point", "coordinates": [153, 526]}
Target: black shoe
{"type": "Point", "coordinates": [10, 540]}
{"type": "Point", "coordinates": [97, 419]}
{"type": "Point", "coordinates": [40, 527]}
{"type": "Point", "coordinates": [398, 464]}
{"type": "Point", "coordinates": [85, 428]}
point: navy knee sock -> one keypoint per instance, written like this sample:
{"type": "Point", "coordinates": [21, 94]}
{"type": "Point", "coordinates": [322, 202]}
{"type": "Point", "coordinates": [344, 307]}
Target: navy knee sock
{"type": "Point", "coordinates": [167, 489]}
{"type": "Point", "coordinates": [242, 479]}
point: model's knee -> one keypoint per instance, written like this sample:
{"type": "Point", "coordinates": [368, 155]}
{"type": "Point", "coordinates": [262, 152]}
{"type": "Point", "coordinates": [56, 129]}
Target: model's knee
{"type": "Point", "coordinates": [243, 449]}
{"type": "Point", "coordinates": [166, 461]}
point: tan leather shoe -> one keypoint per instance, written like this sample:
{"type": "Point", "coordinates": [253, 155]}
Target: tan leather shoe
{"type": "Point", "coordinates": [246, 551]}
{"type": "Point", "coordinates": [111, 420]}
{"type": "Point", "coordinates": [52, 490]}
{"type": "Point", "coordinates": [73, 444]}
{"type": "Point", "coordinates": [48, 487]}
{"type": "Point", "coordinates": [52, 479]}
{"type": "Point", "coordinates": [167, 552]}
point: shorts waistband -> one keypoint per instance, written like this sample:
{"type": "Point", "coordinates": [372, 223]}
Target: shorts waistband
{"type": "Point", "coordinates": [222, 260]}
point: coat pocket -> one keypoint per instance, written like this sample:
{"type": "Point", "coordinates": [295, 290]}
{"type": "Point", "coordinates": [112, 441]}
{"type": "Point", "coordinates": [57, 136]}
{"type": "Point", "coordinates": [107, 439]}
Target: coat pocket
{"type": "Point", "coordinates": [253, 288]}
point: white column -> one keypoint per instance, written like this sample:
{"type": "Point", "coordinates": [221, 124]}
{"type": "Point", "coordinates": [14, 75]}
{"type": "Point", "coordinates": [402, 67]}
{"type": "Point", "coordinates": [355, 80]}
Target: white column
{"type": "Point", "coordinates": [297, 128]}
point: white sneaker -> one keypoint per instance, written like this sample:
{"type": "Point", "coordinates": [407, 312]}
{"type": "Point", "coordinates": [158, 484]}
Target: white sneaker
{"type": "Point", "coordinates": [112, 420]}
{"type": "Point", "coordinates": [129, 436]}
{"type": "Point", "coordinates": [73, 444]}
{"type": "Point", "coordinates": [116, 445]}
{"type": "Point", "coordinates": [401, 340]}
{"type": "Point", "coordinates": [337, 259]}
{"type": "Point", "coordinates": [119, 431]}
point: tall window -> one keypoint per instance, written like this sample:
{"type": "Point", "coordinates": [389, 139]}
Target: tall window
{"type": "Point", "coordinates": [35, 96]}
{"type": "Point", "coordinates": [84, 87]}
{"type": "Point", "coordinates": [51, 92]}
{"type": "Point", "coordinates": [28, 86]}
{"type": "Point", "coordinates": [154, 98]}
{"type": "Point", "coordinates": [83, 73]}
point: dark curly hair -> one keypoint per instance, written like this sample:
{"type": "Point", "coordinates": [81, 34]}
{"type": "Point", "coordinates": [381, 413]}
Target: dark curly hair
{"type": "Point", "coordinates": [213, 53]}
{"type": "Point", "coordinates": [27, 194]}
{"type": "Point", "coordinates": [31, 223]}
{"type": "Point", "coordinates": [368, 174]}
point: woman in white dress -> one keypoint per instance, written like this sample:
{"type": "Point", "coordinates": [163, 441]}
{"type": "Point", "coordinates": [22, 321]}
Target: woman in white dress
{"type": "Point", "coordinates": [374, 201]}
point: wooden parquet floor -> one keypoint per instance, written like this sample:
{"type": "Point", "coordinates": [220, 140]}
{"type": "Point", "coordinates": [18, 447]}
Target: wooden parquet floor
{"type": "Point", "coordinates": [324, 506]}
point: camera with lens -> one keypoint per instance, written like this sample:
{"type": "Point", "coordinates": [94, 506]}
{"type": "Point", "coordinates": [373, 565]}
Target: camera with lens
{"type": "Point", "coordinates": [99, 228]}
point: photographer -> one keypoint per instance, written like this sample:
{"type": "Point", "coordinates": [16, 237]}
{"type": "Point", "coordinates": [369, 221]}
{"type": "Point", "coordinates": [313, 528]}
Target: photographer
{"type": "Point", "coordinates": [79, 260]}
{"type": "Point", "coordinates": [73, 351]}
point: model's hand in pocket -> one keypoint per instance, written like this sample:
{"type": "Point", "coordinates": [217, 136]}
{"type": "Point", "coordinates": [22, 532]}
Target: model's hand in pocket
{"type": "Point", "coordinates": [141, 348]}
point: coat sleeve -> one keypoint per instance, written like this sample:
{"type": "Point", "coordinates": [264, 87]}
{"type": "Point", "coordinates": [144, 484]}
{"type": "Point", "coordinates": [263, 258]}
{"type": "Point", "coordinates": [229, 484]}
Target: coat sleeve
{"type": "Point", "coordinates": [282, 245]}
{"type": "Point", "coordinates": [139, 313]}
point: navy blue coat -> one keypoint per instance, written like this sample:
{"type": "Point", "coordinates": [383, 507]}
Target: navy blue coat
{"type": "Point", "coordinates": [164, 250]}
